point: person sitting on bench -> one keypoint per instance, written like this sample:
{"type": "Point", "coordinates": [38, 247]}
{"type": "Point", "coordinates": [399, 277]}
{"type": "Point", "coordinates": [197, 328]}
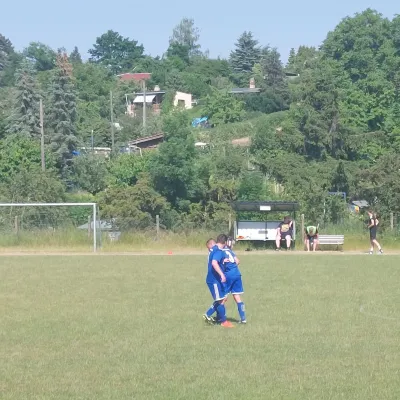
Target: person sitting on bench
{"type": "Point", "coordinates": [311, 237]}
{"type": "Point", "coordinates": [284, 232]}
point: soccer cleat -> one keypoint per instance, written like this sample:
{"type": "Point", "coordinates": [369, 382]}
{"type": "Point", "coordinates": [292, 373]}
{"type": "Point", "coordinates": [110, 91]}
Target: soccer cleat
{"type": "Point", "coordinates": [244, 322]}
{"type": "Point", "coordinates": [380, 251]}
{"type": "Point", "coordinates": [227, 324]}
{"type": "Point", "coordinates": [371, 252]}
{"type": "Point", "coordinates": [209, 320]}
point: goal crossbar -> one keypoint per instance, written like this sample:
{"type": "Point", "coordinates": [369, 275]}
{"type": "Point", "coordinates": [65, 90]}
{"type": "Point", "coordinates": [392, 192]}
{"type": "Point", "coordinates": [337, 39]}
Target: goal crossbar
{"type": "Point", "coordinates": [93, 205]}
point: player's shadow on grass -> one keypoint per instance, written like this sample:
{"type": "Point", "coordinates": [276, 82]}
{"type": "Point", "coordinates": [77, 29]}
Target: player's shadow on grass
{"type": "Point", "coordinates": [233, 320]}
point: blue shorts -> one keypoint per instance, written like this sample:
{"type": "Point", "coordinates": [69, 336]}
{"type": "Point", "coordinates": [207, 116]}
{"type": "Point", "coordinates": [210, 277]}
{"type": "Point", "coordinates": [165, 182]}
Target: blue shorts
{"type": "Point", "coordinates": [218, 291]}
{"type": "Point", "coordinates": [234, 284]}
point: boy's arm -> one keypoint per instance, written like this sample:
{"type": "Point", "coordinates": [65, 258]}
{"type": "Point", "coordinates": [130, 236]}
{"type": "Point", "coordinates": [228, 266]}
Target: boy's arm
{"type": "Point", "coordinates": [237, 261]}
{"type": "Point", "coordinates": [217, 268]}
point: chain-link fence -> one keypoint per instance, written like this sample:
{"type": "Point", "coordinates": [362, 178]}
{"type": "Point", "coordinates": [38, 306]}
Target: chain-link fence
{"type": "Point", "coordinates": [73, 227]}
{"type": "Point", "coordinates": [45, 226]}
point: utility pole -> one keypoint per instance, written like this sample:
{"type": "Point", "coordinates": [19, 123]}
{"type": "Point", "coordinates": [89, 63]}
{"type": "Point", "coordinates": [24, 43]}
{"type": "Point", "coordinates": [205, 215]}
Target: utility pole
{"type": "Point", "coordinates": [144, 103]}
{"type": "Point", "coordinates": [112, 122]}
{"type": "Point", "coordinates": [92, 141]}
{"type": "Point", "coordinates": [42, 135]}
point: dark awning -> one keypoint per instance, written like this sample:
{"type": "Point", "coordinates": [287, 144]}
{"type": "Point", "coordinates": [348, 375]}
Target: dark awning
{"type": "Point", "coordinates": [265, 206]}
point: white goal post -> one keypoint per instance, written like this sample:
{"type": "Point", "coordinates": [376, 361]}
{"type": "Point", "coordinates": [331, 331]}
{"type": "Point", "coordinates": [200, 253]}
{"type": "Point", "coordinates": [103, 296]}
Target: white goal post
{"type": "Point", "coordinates": [92, 205]}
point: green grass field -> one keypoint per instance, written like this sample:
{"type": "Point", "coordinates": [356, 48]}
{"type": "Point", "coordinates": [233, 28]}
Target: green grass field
{"type": "Point", "coordinates": [130, 327]}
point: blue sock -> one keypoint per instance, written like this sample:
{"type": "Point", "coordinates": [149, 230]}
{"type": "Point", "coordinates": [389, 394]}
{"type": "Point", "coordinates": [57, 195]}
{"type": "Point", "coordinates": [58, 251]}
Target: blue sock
{"type": "Point", "coordinates": [211, 310]}
{"type": "Point", "coordinates": [241, 310]}
{"type": "Point", "coordinates": [221, 313]}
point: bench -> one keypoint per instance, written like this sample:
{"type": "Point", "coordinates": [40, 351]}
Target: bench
{"type": "Point", "coordinates": [335, 240]}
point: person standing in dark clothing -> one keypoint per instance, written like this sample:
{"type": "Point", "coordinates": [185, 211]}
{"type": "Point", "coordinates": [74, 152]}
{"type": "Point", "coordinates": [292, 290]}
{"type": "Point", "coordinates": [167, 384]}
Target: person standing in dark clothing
{"type": "Point", "coordinates": [373, 223]}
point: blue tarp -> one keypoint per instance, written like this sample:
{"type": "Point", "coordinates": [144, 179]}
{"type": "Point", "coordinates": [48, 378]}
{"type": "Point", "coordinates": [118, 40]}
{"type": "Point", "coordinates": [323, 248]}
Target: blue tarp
{"type": "Point", "coordinates": [199, 121]}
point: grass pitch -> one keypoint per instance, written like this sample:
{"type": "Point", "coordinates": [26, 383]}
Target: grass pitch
{"type": "Point", "coordinates": [125, 327]}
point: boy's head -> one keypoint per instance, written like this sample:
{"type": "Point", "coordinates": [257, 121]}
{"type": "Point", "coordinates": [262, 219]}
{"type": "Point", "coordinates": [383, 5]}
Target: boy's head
{"type": "Point", "coordinates": [221, 240]}
{"type": "Point", "coordinates": [210, 244]}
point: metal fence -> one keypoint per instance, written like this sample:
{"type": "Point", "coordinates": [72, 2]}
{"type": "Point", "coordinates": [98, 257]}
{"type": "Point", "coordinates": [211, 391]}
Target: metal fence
{"type": "Point", "coordinates": [74, 226]}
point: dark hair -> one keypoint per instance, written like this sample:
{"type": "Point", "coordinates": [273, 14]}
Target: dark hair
{"type": "Point", "coordinates": [209, 241]}
{"type": "Point", "coordinates": [287, 219]}
{"type": "Point", "coordinates": [374, 214]}
{"type": "Point", "coordinates": [222, 238]}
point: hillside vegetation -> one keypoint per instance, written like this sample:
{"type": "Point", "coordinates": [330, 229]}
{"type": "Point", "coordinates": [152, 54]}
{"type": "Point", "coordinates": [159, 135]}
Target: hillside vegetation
{"type": "Point", "coordinates": [333, 128]}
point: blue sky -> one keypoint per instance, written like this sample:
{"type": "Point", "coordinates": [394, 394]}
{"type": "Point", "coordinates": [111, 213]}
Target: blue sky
{"type": "Point", "coordinates": [283, 24]}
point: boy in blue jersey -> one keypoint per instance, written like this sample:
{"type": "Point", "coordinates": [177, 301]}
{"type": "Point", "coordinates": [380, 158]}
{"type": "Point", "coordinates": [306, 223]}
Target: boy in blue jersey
{"type": "Point", "coordinates": [233, 276]}
{"type": "Point", "coordinates": [216, 283]}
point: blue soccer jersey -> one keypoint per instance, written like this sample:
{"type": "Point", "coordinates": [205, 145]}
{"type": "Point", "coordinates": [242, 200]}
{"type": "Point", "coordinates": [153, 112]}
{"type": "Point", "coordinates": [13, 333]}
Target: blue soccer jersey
{"type": "Point", "coordinates": [214, 254]}
{"type": "Point", "coordinates": [229, 266]}
{"type": "Point", "coordinates": [234, 282]}
{"type": "Point", "coordinates": [213, 279]}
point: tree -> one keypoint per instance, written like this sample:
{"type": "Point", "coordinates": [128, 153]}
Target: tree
{"type": "Point", "coordinates": [364, 46]}
{"type": "Point", "coordinates": [117, 53]}
{"type": "Point", "coordinates": [302, 59]}
{"type": "Point", "coordinates": [93, 84]}
{"type": "Point", "coordinates": [173, 169]}
{"type": "Point", "coordinates": [75, 56]}
{"type": "Point", "coordinates": [272, 68]}
{"type": "Point", "coordinates": [316, 114]}
{"type": "Point", "coordinates": [19, 153]}
{"type": "Point", "coordinates": [380, 184]}
{"type": "Point", "coordinates": [42, 56]}
{"type": "Point", "coordinates": [90, 173]}
{"type": "Point", "coordinates": [291, 59]}
{"type": "Point", "coordinates": [9, 60]}
{"type": "Point", "coordinates": [62, 118]}
{"type": "Point", "coordinates": [132, 207]}
{"type": "Point", "coordinates": [252, 187]}
{"type": "Point", "coordinates": [180, 52]}
{"type": "Point", "coordinates": [6, 49]}
{"type": "Point", "coordinates": [186, 34]}
{"type": "Point", "coordinates": [34, 186]}
{"type": "Point", "coordinates": [231, 162]}
{"type": "Point", "coordinates": [222, 107]}
{"type": "Point", "coordinates": [357, 43]}
{"type": "Point", "coordinates": [21, 178]}
{"type": "Point", "coordinates": [24, 119]}
{"type": "Point", "coordinates": [340, 181]}
{"type": "Point", "coordinates": [126, 168]}
{"type": "Point", "coordinates": [175, 82]}
{"type": "Point", "coordinates": [246, 54]}
{"type": "Point", "coordinates": [275, 94]}
{"type": "Point", "coordinates": [393, 123]}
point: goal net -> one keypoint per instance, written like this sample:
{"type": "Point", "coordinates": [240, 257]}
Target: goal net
{"type": "Point", "coordinates": [47, 225]}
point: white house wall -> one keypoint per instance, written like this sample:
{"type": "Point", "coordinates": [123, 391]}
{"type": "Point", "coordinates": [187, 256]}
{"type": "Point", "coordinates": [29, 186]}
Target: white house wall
{"type": "Point", "coordinates": [186, 97]}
